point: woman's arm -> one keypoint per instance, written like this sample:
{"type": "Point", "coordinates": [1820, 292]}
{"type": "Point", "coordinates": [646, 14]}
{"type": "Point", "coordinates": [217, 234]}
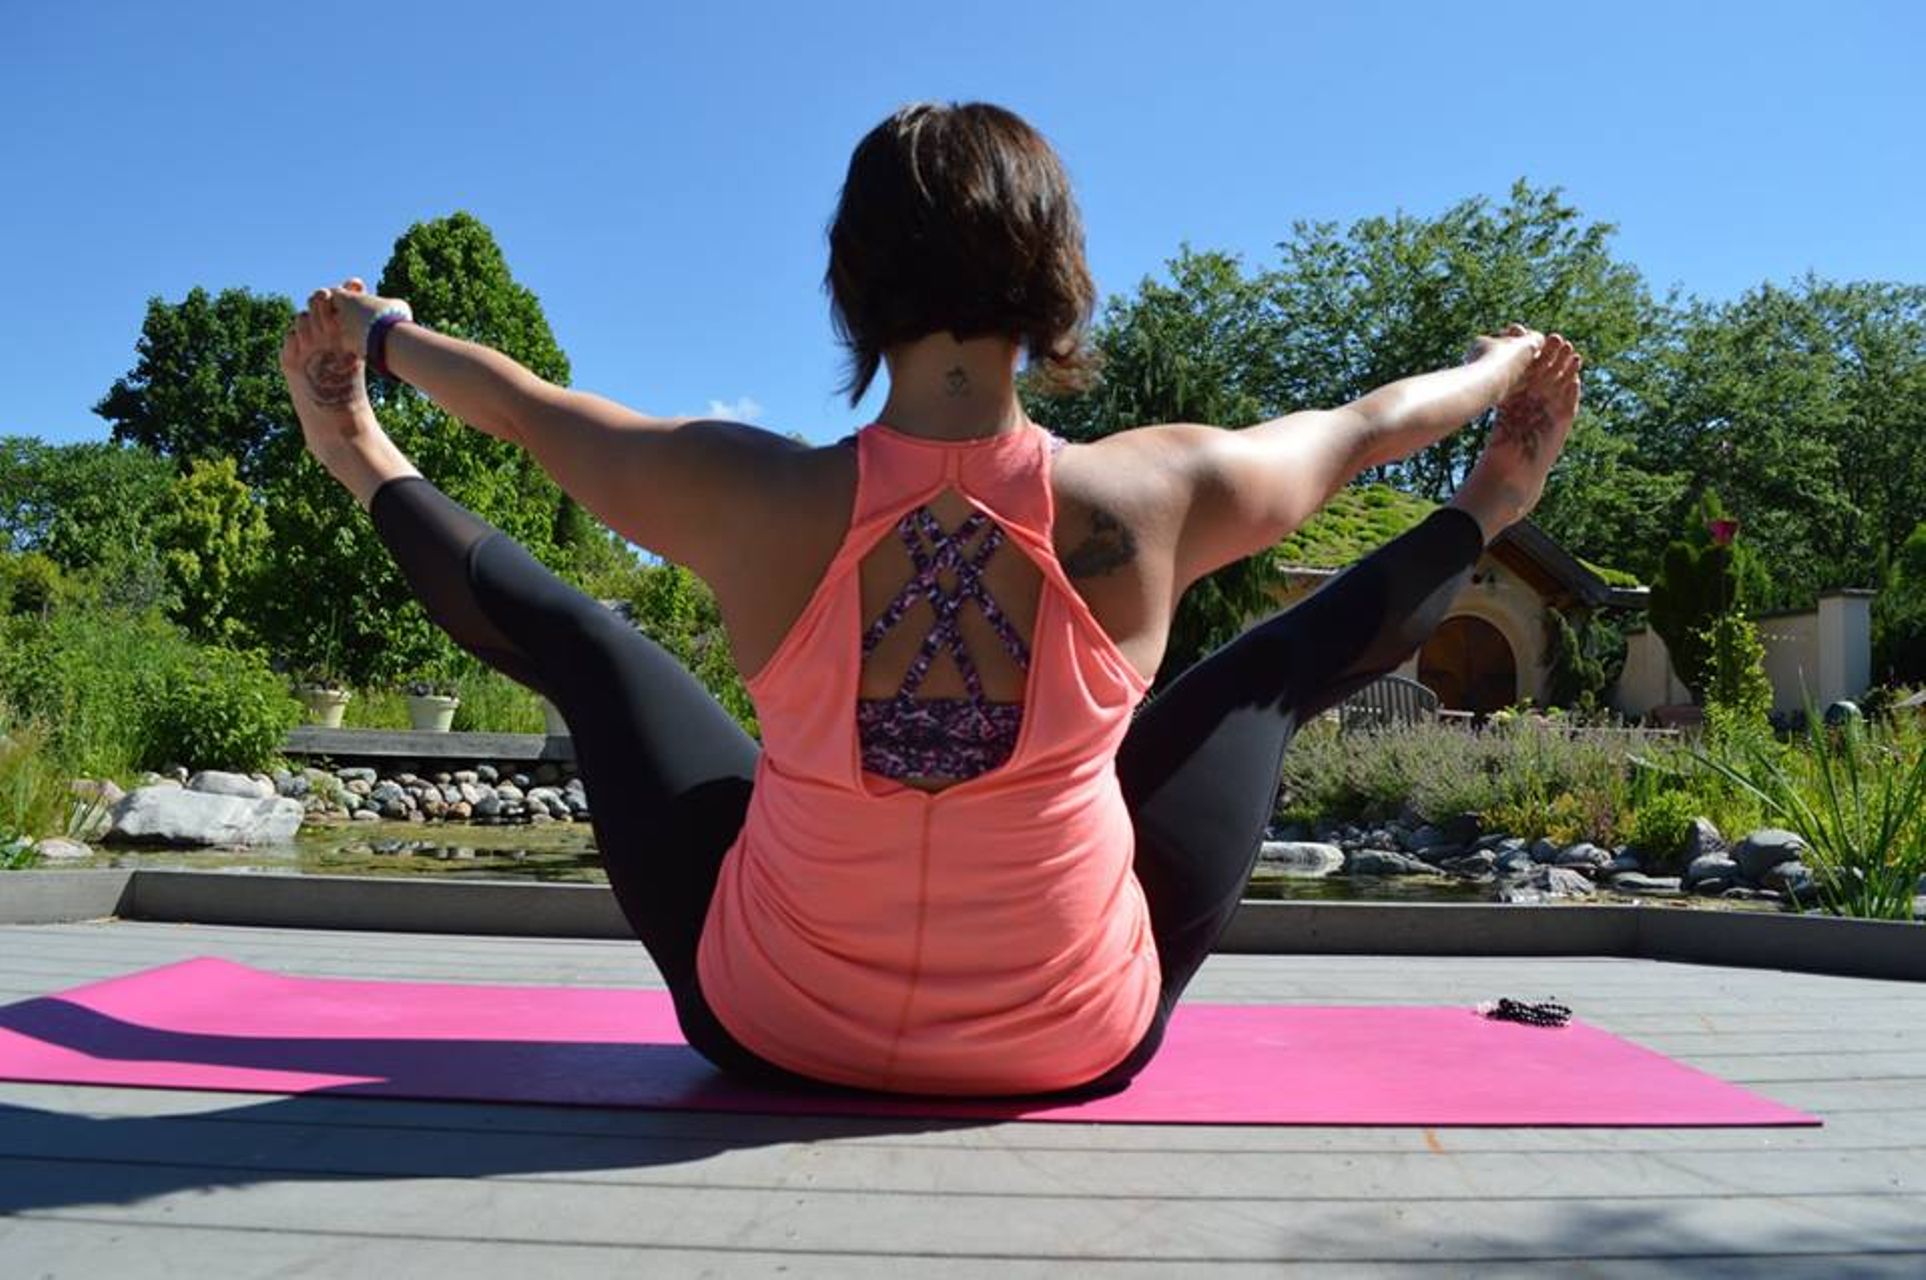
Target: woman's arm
{"type": "Point", "coordinates": [1250, 488]}
{"type": "Point", "coordinates": [659, 482]}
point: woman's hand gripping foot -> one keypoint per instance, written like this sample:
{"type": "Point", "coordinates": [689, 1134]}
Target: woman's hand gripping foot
{"type": "Point", "coordinates": [323, 367]}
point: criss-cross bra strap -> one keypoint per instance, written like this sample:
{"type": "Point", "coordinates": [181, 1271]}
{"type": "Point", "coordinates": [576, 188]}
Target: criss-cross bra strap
{"type": "Point", "coordinates": [933, 551]}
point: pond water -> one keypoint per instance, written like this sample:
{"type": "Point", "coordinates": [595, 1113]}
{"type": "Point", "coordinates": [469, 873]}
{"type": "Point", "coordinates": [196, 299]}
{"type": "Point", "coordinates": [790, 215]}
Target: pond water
{"type": "Point", "coordinates": [565, 852]}
{"type": "Point", "coordinates": [562, 851]}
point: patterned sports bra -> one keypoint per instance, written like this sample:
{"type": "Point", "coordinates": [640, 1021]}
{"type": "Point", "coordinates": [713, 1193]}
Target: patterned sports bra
{"type": "Point", "coordinates": [909, 737]}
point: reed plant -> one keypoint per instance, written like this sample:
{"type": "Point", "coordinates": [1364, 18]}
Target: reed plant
{"type": "Point", "coordinates": [1856, 794]}
{"type": "Point", "coordinates": [33, 792]}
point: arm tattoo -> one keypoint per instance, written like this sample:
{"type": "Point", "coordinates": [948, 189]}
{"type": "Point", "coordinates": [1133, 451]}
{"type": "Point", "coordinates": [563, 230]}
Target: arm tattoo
{"type": "Point", "coordinates": [333, 379]}
{"type": "Point", "coordinates": [1110, 546]}
{"type": "Point", "coordinates": [957, 382]}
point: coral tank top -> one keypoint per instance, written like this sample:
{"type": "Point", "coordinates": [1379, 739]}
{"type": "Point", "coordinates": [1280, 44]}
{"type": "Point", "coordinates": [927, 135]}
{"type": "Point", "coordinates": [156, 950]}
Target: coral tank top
{"type": "Point", "coordinates": [989, 938]}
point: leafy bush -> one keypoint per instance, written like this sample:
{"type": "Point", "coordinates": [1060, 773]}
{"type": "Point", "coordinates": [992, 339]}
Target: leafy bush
{"type": "Point", "coordinates": [30, 584]}
{"type": "Point", "coordinates": [1527, 777]}
{"type": "Point", "coordinates": [1661, 826]}
{"type": "Point", "coordinates": [1738, 693]}
{"type": "Point", "coordinates": [220, 709]}
{"type": "Point", "coordinates": [86, 675]}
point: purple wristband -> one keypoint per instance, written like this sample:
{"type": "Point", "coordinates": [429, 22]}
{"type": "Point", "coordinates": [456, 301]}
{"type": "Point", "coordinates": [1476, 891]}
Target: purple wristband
{"type": "Point", "coordinates": [378, 339]}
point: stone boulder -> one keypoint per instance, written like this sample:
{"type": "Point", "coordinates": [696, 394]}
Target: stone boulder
{"type": "Point", "coordinates": [61, 849]}
{"type": "Point", "coordinates": [1387, 862]}
{"type": "Point", "coordinates": [1583, 857]}
{"type": "Point", "coordinates": [1477, 863]}
{"type": "Point", "coordinates": [176, 816]}
{"type": "Point", "coordinates": [1290, 857]}
{"type": "Point", "coordinates": [1639, 882]}
{"type": "Point", "coordinates": [1544, 883]}
{"type": "Point", "coordinates": [1763, 850]}
{"type": "Point", "coordinates": [1704, 838]}
{"type": "Point", "coordinates": [1794, 879]}
{"type": "Point", "coordinates": [1709, 866]}
{"type": "Point", "coordinates": [1545, 849]}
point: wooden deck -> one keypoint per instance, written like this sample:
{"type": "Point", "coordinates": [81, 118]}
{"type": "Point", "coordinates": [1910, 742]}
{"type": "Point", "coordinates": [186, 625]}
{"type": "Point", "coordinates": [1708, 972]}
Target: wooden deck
{"type": "Point", "coordinates": [119, 1182]}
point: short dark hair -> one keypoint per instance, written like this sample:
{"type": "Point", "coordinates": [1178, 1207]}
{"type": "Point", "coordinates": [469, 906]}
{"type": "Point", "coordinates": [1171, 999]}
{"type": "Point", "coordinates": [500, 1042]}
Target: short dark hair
{"type": "Point", "coordinates": [959, 218]}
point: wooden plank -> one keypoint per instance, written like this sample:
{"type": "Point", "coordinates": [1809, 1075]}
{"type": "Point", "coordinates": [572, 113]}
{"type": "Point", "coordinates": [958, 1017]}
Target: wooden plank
{"type": "Point", "coordinates": [158, 1153]}
{"type": "Point", "coordinates": [170, 1178]}
{"type": "Point", "coordinates": [413, 744]}
{"type": "Point", "coordinates": [798, 1218]}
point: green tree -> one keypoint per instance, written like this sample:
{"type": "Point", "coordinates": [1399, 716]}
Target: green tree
{"type": "Point", "coordinates": [351, 599]}
{"type": "Point", "coordinates": [206, 381]}
{"type": "Point", "coordinates": [1738, 693]}
{"type": "Point", "coordinates": [1703, 574]}
{"type": "Point", "coordinates": [1350, 310]}
{"type": "Point", "coordinates": [1899, 616]}
{"type": "Point", "coordinates": [212, 538]}
{"type": "Point", "coordinates": [80, 505]}
{"type": "Point", "coordinates": [1181, 354]}
{"type": "Point", "coordinates": [1803, 405]}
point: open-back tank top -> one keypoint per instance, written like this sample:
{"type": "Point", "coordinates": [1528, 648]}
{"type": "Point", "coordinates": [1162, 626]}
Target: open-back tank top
{"type": "Point", "coordinates": [987, 938]}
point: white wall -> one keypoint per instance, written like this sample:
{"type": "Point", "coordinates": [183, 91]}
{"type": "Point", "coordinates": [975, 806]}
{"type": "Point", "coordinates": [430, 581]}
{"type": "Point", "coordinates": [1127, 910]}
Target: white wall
{"type": "Point", "coordinates": [1793, 660]}
{"type": "Point", "coordinates": [1823, 653]}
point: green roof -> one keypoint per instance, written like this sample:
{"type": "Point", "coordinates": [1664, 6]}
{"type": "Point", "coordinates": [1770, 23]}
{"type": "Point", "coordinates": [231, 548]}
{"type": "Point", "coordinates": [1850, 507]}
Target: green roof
{"type": "Point", "coordinates": [1361, 518]}
{"type": "Point", "coordinates": [1356, 520]}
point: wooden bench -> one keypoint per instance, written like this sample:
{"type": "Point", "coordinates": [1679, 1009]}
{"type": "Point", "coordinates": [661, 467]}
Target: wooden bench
{"type": "Point", "coordinates": [412, 744]}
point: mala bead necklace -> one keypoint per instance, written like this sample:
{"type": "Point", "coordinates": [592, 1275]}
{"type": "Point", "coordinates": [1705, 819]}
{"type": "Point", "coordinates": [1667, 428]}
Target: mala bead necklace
{"type": "Point", "coordinates": [1544, 1013]}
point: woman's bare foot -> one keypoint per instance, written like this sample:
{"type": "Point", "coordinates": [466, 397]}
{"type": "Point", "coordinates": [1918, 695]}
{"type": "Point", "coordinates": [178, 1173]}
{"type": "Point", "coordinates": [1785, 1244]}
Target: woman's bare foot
{"type": "Point", "coordinates": [330, 393]}
{"type": "Point", "coordinates": [1534, 421]}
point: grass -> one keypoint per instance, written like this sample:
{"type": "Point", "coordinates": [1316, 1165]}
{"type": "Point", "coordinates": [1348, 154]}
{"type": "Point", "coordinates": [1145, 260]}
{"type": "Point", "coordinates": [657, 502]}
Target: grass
{"type": "Point", "coordinates": [34, 795]}
{"type": "Point", "coordinates": [490, 703]}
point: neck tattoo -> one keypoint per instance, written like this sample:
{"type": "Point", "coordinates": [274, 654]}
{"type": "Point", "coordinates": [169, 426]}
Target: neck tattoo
{"type": "Point", "coordinates": [957, 382]}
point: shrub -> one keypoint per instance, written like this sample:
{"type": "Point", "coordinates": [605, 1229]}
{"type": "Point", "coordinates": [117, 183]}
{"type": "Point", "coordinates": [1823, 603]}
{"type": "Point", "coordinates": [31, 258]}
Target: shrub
{"type": "Point", "coordinates": [1661, 827]}
{"type": "Point", "coordinates": [220, 709]}
{"type": "Point", "coordinates": [30, 584]}
{"type": "Point", "coordinates": [1527, 777]}
{"type": "Point", "coordinates": [81, 674]}
{"type": "Point", "coordinates": [1738, 694]}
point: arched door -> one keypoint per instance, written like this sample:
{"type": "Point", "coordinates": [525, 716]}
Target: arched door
{"type": "Point", "coordinates": [1469, 664]}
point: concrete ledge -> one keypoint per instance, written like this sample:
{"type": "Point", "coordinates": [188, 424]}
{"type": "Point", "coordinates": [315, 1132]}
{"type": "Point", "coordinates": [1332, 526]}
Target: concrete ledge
{"type": "Point", "coordinates": [1430, 929]}
{"type": "Point", "coordinates": [57, 897]}
{"type": "Point", "coordinates": [378, 903]}
{"type": "Point", "coordinates": [1804, 943]}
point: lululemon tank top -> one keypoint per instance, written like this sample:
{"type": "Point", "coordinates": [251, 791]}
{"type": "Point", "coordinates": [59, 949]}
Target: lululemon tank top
{"type": "Point", "coordinates": [988, 938]}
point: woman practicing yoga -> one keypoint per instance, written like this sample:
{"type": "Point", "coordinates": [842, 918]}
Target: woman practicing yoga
{"type": "Point", "coordinates": [956, 864]}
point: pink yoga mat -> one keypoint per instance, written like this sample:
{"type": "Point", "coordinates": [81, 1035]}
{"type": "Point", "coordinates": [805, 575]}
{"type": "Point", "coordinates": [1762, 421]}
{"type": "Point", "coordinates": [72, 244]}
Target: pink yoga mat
{"type": "Point", "coordinates": [211, 1024]}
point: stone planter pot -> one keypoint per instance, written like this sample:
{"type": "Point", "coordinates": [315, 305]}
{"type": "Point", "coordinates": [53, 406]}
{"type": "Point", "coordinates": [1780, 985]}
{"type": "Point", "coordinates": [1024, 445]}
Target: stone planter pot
{"type": "Point", "coordinates": [431, 712]}
{"type": "Point", "coordinates": [325, 705]}
{"type": "Point", "coordinates": [552, 723]}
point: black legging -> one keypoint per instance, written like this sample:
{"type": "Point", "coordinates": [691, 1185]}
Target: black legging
{"type": "Point", "coordinates": [670, 772]}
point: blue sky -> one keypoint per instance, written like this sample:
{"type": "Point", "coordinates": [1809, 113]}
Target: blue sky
{"type": "Point", "coordinates": [661, 175]}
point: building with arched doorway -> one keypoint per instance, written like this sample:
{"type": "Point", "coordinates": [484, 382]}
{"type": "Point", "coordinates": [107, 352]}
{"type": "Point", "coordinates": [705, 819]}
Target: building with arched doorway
{"type": "Point", "coordinates": [1491, 650]}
